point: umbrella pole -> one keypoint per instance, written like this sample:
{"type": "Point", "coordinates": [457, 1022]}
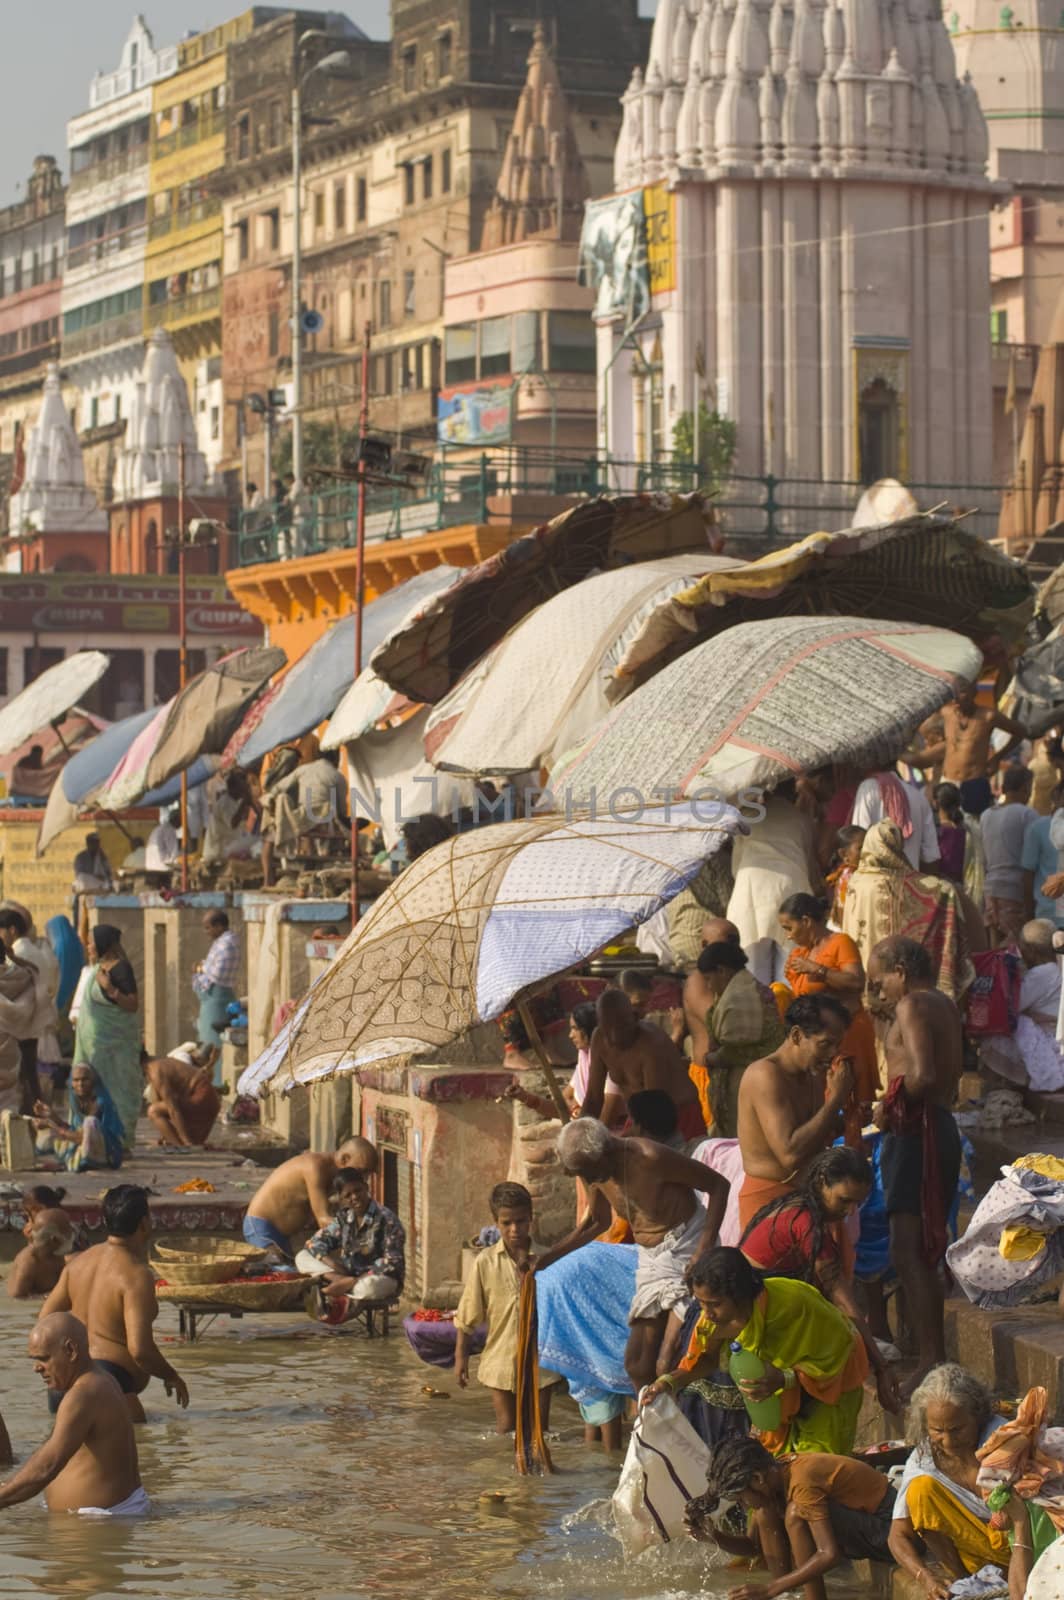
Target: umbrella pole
{"type": "Point", "coordinates": [360, 586]}
{"type": "Point", "coordinates": [548, 1071]}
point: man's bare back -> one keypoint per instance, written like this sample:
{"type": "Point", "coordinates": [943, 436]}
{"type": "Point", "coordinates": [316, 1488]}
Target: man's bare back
{"type": "Point", "coordinates": [104, 1470]}
{"type": "Point", "coordinates": [790, 1100]}
{"type": "Point", "coordinates": [97, 1287]}
{"type": "Point", "coordinates": [296, 1194]}
{"type": "Point", "coordinates": [698, 999]}
{"type": "Point", "coordinates": [924, 1045]}
{"type": "Point", "coordinates": [647, 1195]}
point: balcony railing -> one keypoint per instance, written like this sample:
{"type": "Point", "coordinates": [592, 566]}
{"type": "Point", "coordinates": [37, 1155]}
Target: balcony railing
{"type": "Point", "coordinates": [110, 167]}
{"type": "Point", "coordinates": [756, 513]}
{"type": "Point", "coordinates": [83, 255]}
{"type": "Point", "coordinates": [188, 134]}
{"type": "Point", "coordinates": [26, 360]}
{"type": "Point", "coordinates": [185, 308]}
{"type": "Point", "coordinates": [114, 330]}
{"type": "Point", "coordinates": [175, 221]}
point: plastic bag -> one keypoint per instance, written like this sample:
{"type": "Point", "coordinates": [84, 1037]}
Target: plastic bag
{"type": "Point", "coordinates": [666, 1465]}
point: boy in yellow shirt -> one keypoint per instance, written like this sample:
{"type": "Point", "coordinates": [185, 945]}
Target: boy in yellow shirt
{"type": "Point", "coordinates": [492, 1294]}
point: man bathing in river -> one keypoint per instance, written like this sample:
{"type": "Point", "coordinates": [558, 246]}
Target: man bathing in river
{"type": "Point", "coordinates": [89, 1462]}
{"type": "Point", "coordinates": [637, 1055]}
{"type": "Point", "coordinates": [294, 1199]}
{"type": "Point", "coordinates": [921, 1152]}
{"type": "Point", "coordinates": [784, 1118]}
{"type": "Point", "coordinates": [653, 1187]}
{"type": "Point", "coordinates": [110, 1288]}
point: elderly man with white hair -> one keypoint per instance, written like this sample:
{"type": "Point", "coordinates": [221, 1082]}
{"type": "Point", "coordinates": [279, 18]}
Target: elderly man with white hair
{"type": "Point", "coordinates": [1032, 1058]}
{"type": "Point", "coordinates": [656, 1189]}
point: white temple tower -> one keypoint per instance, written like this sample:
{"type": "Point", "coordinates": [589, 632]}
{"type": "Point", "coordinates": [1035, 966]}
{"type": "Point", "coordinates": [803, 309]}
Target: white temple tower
{"type": "Point", "coordinates": [830, 273]}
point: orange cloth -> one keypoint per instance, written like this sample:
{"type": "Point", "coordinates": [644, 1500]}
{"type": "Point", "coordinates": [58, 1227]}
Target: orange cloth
{"type": "Point", "coordinates": [699, 1076]}
{"type": "Point", "coordinates": [835, 952]}
{"type": "Point", "coordinates": [757, 1192]}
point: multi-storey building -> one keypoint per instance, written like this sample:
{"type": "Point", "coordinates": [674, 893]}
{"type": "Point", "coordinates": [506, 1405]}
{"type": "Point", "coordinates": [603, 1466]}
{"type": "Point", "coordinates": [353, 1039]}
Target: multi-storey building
{"type": "Point", "coordinates": [400, 170]}
{"type": "Point", "coordinates": [31, 265]}
{"type": "Point", "coordinates": [107, 227]}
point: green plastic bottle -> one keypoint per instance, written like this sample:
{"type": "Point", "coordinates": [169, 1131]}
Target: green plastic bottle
{"type": "Point", "coordinates": [742, 1364]}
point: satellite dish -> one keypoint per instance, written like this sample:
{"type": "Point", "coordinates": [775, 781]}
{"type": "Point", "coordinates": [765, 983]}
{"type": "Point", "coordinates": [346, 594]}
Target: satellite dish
{"type": "Point", "coordinates": [312, 321]}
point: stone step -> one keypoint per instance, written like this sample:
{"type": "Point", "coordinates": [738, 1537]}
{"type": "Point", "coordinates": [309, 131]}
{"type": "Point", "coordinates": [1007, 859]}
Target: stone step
{"type": "Point", "coordinates": [1010, 1350]}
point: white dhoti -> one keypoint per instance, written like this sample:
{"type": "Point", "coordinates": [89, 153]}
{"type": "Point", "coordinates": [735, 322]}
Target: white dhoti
{"type": "Point", "coordinates": [373, 1286]}
{"type": "Point", "coordinates": [659, 1272]}
{"type": "Point", "coordinates": [136, 1504]}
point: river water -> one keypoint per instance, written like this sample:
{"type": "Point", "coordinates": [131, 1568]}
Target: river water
{"type": "Point", "coordinates": [312, 1464]}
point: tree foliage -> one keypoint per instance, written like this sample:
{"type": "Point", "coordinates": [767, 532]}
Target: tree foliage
{"type": "Point", "coordinates": [716, 445]}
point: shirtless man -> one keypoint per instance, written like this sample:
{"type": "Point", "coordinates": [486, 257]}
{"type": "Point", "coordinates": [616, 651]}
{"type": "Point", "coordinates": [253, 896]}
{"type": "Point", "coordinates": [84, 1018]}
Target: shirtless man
{"type": "Point", "coordinates": [963, 752]}
{"type": "Point", "coordinates": [784, 1118]}
{"type": "Point", "coordinates": [295, 1197]}
{"type": "Point", "coordinates": [111, 1289]}
{"type": "Point", "coordinates": [924, 1063]}
{"type": "Point", "coordinates": [39, 1265]}
{"type": "Point", "coordinates": [89, 1462]}
{"type": "Point", "coordinates": [698, 998]}
{"type": "Point", "coordinates": [653, 1187]}
{"type": "Point", "coordinates": [186, 1103]}
{"type": "Point", "coordinates": [637, 1055]}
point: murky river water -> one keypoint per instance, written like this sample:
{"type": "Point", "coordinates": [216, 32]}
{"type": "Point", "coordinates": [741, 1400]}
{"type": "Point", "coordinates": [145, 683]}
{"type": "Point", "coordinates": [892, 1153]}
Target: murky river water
{"type": "Point", "coordinates": [311, 1464]}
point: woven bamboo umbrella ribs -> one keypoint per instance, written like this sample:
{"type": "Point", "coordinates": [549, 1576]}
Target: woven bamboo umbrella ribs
{"type": "Point", "coordinates": [479, 922]}
{"type": "Point", "coordinates": [768, 701]}
{"type": "Point", "coordinates": [927, 569]}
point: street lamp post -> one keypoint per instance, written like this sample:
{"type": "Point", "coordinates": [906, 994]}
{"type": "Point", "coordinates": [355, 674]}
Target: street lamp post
{"type": "Point", "coordinates": [337, 61]}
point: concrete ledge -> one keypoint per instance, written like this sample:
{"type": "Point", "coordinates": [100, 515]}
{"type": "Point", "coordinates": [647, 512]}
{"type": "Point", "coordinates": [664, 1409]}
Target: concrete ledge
{"type": "Point", "coordinates": [1010, 1350]}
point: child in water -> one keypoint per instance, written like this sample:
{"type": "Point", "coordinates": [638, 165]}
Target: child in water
{"type": "Point", "coordinates": [492, 1294]}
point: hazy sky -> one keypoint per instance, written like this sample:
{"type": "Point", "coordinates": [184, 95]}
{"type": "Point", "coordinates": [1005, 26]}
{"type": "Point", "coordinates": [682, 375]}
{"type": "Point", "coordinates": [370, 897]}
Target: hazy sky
{"type": "Point", "coordinates": [53, 47]}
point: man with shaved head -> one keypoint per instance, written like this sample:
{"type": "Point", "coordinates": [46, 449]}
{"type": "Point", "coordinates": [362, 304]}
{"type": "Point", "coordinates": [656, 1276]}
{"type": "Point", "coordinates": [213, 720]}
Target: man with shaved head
{"type": "Point", "coordinates": [698, 997]}
{"type": "Point", "coordinates": [89, 1464]}
{"type": "Point", "coordinates": [637, 1055]}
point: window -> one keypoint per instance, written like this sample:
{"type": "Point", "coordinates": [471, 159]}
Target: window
{"type": "Point", "coordinates": [273, 229]}
{"type": "Point", "coordinates": [385, 298]}
{"type": "Point", "coordinates": [409, 294]}
{"type": "Point", "coordinates": [445, 172]}
{"type": "Point", "coordinates": [243, 232]}
{"type": "Point", "coordinates": [460, 353]}
{"type": "Point", "coordinates": [94, 411]}
{"type": "Point", "coordinates": [879, 431]}
{"type": "Point", "coordinates": [216, 422]}
{"type": "Point", "coordinates": [999, 327]}
{"type": "Point", "coordinates": [571, 342]}
{"type": "Point", "coordinates": [526, 342]}
{"type": "Point", "coordinates": [243, 136]}
{"type": "Point", "coordinates": [426, 178]}
{"type": "Point", "coordinates": [340, 207]}
{"type": "Point", "coordinates": [361, 199]}
{"type": "Point", "coordinates": [409, 69]}
{"type": "Point", "coordinates": [273, 332]}
{"type": "Point", "coordinates": [276, 124]}
{"type": "Point", "coordinates": [319, 209]}
{"type": "Point", "coordinates": [118, 408]}
{"type": "Point", "coordinates": [408, 183]}
{"type": "Point", "coordinates": [446, 54]}
{"type": "Point", "coordinates": [495, 338]}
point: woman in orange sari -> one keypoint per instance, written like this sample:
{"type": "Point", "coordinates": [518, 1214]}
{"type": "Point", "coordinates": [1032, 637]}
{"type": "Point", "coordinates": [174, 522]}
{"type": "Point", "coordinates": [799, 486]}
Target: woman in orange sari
{"type": "Point", "coordinates": [823, 962]}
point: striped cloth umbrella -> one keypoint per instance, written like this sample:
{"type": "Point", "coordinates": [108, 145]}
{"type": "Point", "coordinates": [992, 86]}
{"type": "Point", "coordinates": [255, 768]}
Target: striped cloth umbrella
{"type": "Point", "coordinates": [767, 701]}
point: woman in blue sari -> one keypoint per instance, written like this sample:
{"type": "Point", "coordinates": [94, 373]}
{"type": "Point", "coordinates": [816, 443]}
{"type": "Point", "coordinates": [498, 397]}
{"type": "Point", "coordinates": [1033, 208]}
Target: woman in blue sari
{"type": "Point", "coordinates": [91, 1137]}
{"type": "Point", "coordinates": [109, 1028]}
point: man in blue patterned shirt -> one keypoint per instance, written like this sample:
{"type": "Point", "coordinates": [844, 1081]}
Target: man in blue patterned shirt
{"type": "Point", "coordinates": [360, 1255]}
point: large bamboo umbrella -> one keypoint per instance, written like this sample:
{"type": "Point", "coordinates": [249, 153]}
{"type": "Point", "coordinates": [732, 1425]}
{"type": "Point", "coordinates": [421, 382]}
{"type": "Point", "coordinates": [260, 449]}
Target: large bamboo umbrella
{"type": "Point", "coordinates": [477, 923]}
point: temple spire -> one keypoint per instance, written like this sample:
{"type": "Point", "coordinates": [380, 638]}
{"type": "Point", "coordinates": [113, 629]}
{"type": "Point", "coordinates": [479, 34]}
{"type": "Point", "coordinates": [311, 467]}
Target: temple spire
{"type": "Point", "coordinates": [53, 497]}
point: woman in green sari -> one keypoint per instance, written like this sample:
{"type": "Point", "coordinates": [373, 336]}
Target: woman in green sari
{"type": "Point", "coordinates": [109, 1032]}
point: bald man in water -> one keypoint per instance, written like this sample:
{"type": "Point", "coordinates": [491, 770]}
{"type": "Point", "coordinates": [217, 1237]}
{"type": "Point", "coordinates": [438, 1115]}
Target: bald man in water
{"type": "Point", "coordinates": [89, 1462]}
{"type": "Point", "coordinates": [294, 1199]}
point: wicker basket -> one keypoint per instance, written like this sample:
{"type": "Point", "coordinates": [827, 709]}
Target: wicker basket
{"type": "Point", "coordinates": [243, 1295]}
{"type": "Point", "coordinates": [197, 1269]}
{"type": "Point", "coordinates": [204, 1247]}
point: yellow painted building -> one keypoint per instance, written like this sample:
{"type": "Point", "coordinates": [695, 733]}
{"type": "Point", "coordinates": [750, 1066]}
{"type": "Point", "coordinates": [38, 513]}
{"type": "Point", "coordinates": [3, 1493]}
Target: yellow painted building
{"type": "Point", "coordinates": [183, 259]}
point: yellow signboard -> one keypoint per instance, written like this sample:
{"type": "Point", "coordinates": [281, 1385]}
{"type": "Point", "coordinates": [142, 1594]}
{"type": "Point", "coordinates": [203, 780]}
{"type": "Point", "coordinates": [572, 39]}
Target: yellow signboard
{"type": "Point", "coordinates": [659, 208]}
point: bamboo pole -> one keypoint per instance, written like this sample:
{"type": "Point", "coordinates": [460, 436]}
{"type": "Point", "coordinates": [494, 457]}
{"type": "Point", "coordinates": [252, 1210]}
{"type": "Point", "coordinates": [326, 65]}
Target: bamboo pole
{"type": "Point", "coordinates": [548, 1071]}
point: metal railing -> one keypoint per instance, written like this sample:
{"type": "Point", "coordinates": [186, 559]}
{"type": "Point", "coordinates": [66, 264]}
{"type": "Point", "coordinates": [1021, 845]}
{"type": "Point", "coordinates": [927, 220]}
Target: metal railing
{"type": "Point", "coordinates": [174, 221]}
{"type": "Point", "coordinates": [184, 307]}
{"type": "Point", "coordinates": [189, 133]}
{"type": "Point", "coordinates": [524, 486]}
{"type": "Point", "coordinates": [110, 245]}
{"type": "Point", "coordinates": [113, 330]}
{"type": "Point", "coordinates": [109, 167]}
